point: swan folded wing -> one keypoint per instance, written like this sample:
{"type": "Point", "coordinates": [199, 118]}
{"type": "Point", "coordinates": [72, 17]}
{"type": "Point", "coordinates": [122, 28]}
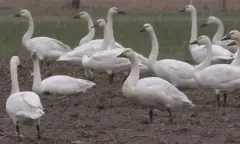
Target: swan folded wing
{"type": "Point", "coordinates": [29, 114]}
{"type": "Point", "coordinates": [65, 47]}
{"type": "Point", "coordinates": [220, 51]}
{"type": "Point", "coordinates": [98, 42]}
{"type": "Point", "coordinates": [32, 99]}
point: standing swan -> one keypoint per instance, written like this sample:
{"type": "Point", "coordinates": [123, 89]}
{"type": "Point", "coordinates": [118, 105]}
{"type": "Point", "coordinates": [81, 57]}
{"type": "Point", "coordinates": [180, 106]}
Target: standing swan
{"type": "Point", "coordinates": [220, 77]}
{"type": "Point", "coordinates": [198, 53]}
{"type": "Point", "coordinates": [219, 34]}
{"type": "Point", "coordinates": [58, 84]}
{"type": "Point", "coordinates": [23, 107]}
{"type": "Point", "coordinates": [178, 73]}
{"type": "Point", "coordinates": [151, 92]}
{"type": "Point", "coordinates": [91, 33]}
{"type": "Point", "coordinates": [49, 49]}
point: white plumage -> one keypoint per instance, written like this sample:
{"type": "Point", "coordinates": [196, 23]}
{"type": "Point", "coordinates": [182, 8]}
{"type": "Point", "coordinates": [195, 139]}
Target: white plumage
{"type": "Point", "coordinates": [151, 92]}
{"type": "Point", "coordinates": [48, 48]}
{"type": "Point", "coordinates": [219, 54]}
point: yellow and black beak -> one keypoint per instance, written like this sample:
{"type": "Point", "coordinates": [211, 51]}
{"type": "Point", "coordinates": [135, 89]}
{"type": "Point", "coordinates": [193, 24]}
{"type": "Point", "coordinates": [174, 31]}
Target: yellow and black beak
{"type": "Point", "coordinates": [203, 25]}
{"type": "Point", "coordinates": [17, 15]}
{"type": "Point", "coordinates": [142, 30]}
{"type": "Point", "coordinates": [20, 66]}
{"type": "Point", "coordinates": [123, 54]}
{"type": "Point", "coordinates": [194, 42]}
{"type": "Point", "coordinates": [227, 37]}
{"type": "Point", "coordinates": [235, 42]}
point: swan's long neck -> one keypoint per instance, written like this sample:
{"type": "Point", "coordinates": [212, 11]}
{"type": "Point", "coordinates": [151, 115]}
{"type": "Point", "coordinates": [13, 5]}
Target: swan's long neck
{"type": "Point", "coordinates": [134, 74]}
{"type": "Point", "coordinates": [105, 39]}
{"type": "Point", "coordinates": [194, 25]}
{"type": "Point", "coordinates": [30, 30]}
{"type": "Point", "coordinates": [220, 32]}
{"type": "Point", "coordinates": [111, 44]}
{"type": "Point", "coordinates": [154, 51]}
{"type": "Point", "coordinates": [206, 62]}
{"type": "Point", "coordinates": [91, 32]}
{"type": "Point", "coordinates": [36, 76]}
{"type": "Point", "coordinates": [14, 78]}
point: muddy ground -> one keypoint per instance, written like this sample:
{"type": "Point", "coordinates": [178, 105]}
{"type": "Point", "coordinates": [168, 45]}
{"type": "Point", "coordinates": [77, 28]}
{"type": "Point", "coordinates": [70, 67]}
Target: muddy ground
{"type": "Point", "coordinates": [104, 116]}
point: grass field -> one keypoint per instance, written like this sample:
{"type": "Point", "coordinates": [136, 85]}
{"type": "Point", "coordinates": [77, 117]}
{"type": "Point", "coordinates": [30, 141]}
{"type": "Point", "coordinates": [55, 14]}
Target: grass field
{"type": "Point", "coordinates": [103, 116]}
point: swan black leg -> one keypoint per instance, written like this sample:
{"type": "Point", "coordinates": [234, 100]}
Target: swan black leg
{"type": "Point", "coordinates": [150, 116]}
{"type": "Point", "coordinates": [111, 76]}
{"type": "Point", "coordinates": [225, 99]}
{"type": "Point", "coordinates": [218, 100]}
{"type": "Point", "coordinates": [170, 116]}
{"type": "Point", "coordinates": [38, 129]}
{"type": "Point", "coordinates": [17, 129]}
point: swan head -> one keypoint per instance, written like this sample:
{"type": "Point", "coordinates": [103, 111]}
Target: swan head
{"type": "Point", "coordinates": [100, 23]}
{"type": "Point", "coordinates": [202, 40]}
{"type": "Point", "coordinates": [188, 8]}
{"type": "Point", "coordinates": [16, 61]}
{"type": "Point", "coordinates": [83, 15]}
{"type": "Point", "coordinates": [127, 53]}
{"type": "Point", "coordinates": [234, 35]}
{"type": "Point", "coordinates": [210, 20]}
{"type": "Point", "coordinates": [115, 11]}
{"type": "Point", "coordinates": [147, 28]}
{"type": "Point", "coordinates": [23, 13]}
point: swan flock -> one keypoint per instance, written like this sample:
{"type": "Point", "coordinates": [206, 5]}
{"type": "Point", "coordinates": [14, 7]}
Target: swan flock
{"type": "Point", "coordinates": [162, 91]}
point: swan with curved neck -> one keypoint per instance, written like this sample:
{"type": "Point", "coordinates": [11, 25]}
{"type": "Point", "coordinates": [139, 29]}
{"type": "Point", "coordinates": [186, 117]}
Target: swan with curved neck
{"type": "Point", "coordinates": [219, 54]}
{"type": "Point", "coordinates": [22, 106]}
{"type": "Point", "coordinates": [178, 73]}
{"type": "Point", "coordinates": [151, 92]}
{"type": "Point", "coordinates": [58, 84]}
{"type": "Point", "coordinates": [14, 64]}
{"type": "Point", "coordinates": [48, 48]}
{"type": "Point", "coordinates": [91, 33]}
{"type": "Point", "coordinates": [219, 34]}
{"type": "Point", "coordinates": [220, 77]}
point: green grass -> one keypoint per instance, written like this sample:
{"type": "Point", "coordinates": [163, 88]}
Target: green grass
{"type": "Point", "coordinates": [172, 30]}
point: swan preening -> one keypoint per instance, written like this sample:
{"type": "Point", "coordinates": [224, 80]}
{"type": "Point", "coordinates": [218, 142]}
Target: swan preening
{"type": "Point", "coordinates": [23, 107]}
{"type": "Point", "coordinates": [49, 49]}
{"type": "Point", "coordinates": [151, 92]}
{"type": "Point", "coordinates": [198, 52]}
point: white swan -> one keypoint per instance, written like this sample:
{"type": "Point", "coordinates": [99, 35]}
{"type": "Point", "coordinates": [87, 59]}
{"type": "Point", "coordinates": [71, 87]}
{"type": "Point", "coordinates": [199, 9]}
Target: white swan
{"type": "Point", "coordinates": [49, 49]}
{"type": "Point", "coordinates": [219, 34]}
{"type": "Point", "coordinates": [23, 107]}
{"type": "Point", "coordinates": [220, 77]}
{"type": "Point", "coordinates": [234, 35]}
{"type": "Point", "coordinates": [107, 61]}
{"type": "Point", "coordinates": [219, 54]}
{"type": "Point", "coordinates": [178, 73]}
{"type": "Point", "coordinates": [151, 92]}
{"type": "Point", "coordinates": [89, 37]}
{"type": "Point", "coordinates": [58, 84]}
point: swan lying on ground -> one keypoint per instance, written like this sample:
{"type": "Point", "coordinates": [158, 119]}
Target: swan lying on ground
{"type": "Point", "coordinates": [49, 49]}
{"type": "Point", "coordinates": [91, 33]}
{"type": "Point", "coordinates": [198, 52]}
{"type": "Point", "coordinates": [23, 107]}
{"type": "Point", "coordinates": [151, 92]}
{"type": "Point", "coordinates": [219, 34]}
{"type": "Point", "coordinates": [58, 84]}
